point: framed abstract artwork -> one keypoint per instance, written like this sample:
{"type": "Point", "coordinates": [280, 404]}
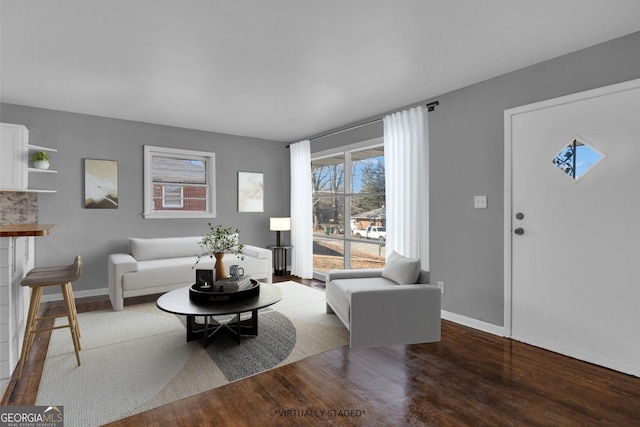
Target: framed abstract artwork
{"type": "Point", "coordinates": [100, 184]}
{"type": "Point", "coordinates": [250, 192]}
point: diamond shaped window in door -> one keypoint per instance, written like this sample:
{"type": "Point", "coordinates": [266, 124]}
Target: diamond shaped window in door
{"type": "Point", "coordinates": [577, 158]}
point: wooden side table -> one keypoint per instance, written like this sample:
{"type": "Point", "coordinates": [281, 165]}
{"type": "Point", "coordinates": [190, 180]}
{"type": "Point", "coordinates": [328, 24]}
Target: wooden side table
{"type": "Point", "coordinates": [279, 259]}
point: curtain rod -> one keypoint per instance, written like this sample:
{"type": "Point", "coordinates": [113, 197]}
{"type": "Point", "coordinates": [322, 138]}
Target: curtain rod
{"type": "Point", "coordinates": [430, 107]}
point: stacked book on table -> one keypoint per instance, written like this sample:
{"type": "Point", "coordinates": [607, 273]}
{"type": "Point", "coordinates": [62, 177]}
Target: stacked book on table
{"type": "Point", "coordinates": [229, 284]}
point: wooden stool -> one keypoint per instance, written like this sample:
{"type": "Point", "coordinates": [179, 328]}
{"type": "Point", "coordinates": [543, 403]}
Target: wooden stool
{"type": "Point", "coordinates": [37, 279]}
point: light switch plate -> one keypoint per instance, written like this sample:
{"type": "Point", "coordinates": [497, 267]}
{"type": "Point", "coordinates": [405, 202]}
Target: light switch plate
{"type": "Point", "coordinates": [480, 202]}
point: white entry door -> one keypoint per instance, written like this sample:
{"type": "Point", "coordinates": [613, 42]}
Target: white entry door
{"type": "Point", "coordinates": [572, 215]}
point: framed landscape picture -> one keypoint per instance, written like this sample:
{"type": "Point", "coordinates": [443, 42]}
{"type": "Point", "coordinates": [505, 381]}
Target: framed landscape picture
{"type": "Point", "coordinates": [100, 184]}
{"type": "Point", "coordinates": [250, 192]}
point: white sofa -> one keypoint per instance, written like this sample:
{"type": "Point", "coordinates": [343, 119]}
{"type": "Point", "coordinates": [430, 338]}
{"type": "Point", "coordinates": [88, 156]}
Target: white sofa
{"type": "Point", "coordinates": [383, 307]}
{"type": "Point", "coordinates": [160, 265]}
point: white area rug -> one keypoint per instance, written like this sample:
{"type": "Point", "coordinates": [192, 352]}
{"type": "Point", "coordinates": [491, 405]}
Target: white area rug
{"type": "Point", "coordinates": [138, 359]}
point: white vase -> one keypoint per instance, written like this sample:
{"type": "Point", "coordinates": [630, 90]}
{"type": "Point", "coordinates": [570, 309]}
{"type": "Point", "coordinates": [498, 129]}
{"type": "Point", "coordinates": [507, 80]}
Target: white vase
{"type": "Point", "coordinates": [41, 164]}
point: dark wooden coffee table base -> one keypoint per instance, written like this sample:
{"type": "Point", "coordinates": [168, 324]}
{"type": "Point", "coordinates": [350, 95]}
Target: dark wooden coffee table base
{"type": "Point", "coordinates": [211, 328]}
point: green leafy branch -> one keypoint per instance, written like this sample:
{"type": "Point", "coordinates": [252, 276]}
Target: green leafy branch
{"type": "Point", "coordinates": [220, 240]}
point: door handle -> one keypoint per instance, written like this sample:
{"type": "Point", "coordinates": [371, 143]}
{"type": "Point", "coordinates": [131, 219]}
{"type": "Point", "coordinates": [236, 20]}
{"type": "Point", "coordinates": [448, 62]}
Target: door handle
{"type": "Point", "coordinates": [519, 231]}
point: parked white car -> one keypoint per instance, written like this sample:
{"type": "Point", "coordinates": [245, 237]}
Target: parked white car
{"type": "Point", "coordinates": [372, 232]}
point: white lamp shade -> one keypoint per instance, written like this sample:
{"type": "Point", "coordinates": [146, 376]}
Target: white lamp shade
{"type": "Point", "coordinates": [280, 224]}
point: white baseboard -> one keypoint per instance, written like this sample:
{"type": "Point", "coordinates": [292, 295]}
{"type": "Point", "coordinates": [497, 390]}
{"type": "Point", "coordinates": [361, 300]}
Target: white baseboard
{"type": "Point", "coordinates": [473, 323]}
{"type": "Point", "coordinates": [77, 294]}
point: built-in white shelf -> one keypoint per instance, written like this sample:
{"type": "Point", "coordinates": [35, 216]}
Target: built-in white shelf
{"type": "Point", "coordinates": [39, 148]}
{"type": "Point", "coordinates": [41, 170]}
{"type": "Point", "coordinates": [32, 190]}
{"type": "Point", "coordinates": [35, 170]}
{"type": "Point", "coordinates": [15, 160]}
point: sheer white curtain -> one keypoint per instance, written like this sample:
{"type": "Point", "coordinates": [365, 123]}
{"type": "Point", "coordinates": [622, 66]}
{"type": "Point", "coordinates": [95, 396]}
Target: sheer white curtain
{"type": "Point", "coordinates": [301, 214]}
{"type": "Point", "coordinates": [406, 156]}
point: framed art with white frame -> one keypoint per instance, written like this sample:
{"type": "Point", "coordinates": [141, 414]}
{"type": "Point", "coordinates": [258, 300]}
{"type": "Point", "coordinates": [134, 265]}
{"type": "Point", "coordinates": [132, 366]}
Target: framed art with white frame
{"type": "Point", "coordinates": [250, 192]}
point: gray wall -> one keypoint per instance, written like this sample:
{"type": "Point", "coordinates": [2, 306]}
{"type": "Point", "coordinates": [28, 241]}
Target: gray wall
{"type": "Point", "coordinates": [466, 134]}
{"type": "Point", "coordinates": [466, 159]}
{"type": "Point", "coordinates": [96, 233]}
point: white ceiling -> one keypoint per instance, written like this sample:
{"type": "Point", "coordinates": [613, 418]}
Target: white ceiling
{"type": "Point", "coordinates": [279, 69]}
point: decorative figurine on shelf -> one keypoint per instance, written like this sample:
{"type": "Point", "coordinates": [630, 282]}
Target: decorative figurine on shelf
{"type": "Point", "coordinates": [218, 241]}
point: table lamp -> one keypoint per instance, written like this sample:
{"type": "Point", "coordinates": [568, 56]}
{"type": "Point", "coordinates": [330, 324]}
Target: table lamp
{"type": "Point", "coordinates": [278, 224]}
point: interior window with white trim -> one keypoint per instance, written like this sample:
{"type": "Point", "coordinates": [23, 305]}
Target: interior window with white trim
{"type": "Point", "coordinates": [178, 183]}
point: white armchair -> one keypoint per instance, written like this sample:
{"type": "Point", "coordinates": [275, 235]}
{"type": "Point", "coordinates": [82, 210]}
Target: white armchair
{"type": "Point", "coordinates": [379, 311]}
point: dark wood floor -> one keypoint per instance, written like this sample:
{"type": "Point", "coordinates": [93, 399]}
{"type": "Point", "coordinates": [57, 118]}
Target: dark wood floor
{"type": "Point", "coordinates": [469, 378]}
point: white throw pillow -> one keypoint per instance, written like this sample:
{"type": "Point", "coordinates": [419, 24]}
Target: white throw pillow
{"type": "Point", "coordinates": [400, 269]}
{"type": "Point", "coordinates": [166, 247]}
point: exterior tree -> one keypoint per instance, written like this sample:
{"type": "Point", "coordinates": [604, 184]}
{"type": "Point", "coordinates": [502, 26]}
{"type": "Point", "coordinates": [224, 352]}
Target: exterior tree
{"type": "Point", "coordinates": [327, 181]}
{"type": "Point", "coordinates": [373, 187]}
